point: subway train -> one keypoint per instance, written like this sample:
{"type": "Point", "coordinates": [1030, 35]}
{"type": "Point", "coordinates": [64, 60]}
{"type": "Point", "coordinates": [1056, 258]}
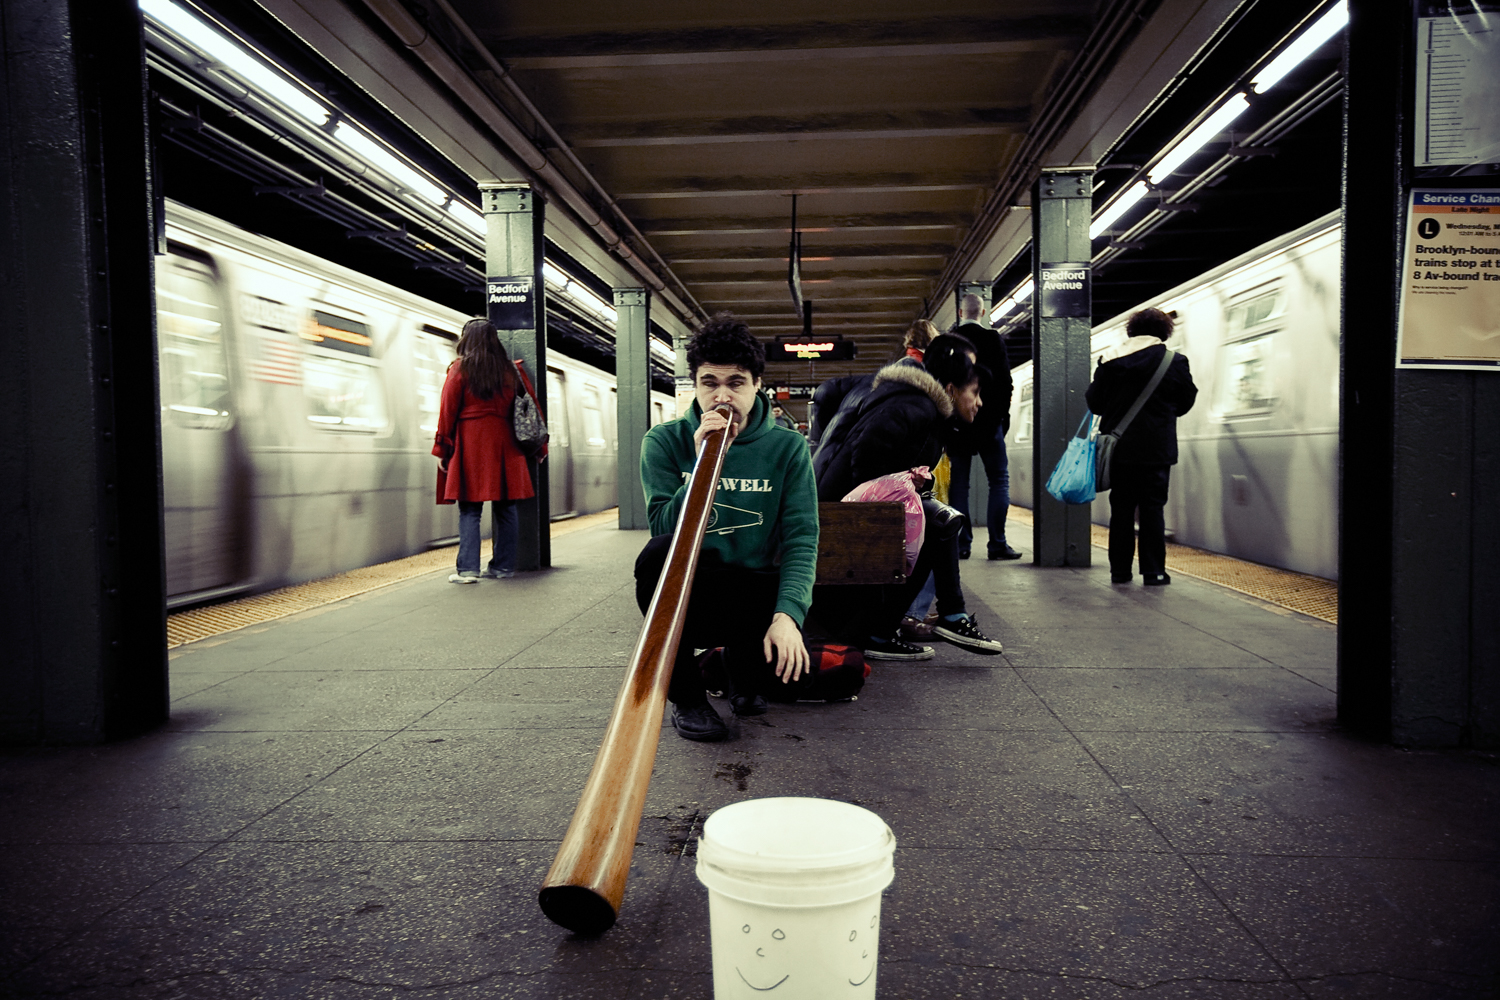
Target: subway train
{"type": "Point", "coordinates": [1257, 475]}
{"type": "Point", "coordinates": [298, 405]}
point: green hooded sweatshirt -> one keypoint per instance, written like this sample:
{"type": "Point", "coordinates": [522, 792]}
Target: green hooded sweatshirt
{"type": "Point", "coordinates": [765, 511]}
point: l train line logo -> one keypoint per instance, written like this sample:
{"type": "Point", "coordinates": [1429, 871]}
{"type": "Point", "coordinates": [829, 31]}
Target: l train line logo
{"type": "Point", "coordinates": [726, 520]}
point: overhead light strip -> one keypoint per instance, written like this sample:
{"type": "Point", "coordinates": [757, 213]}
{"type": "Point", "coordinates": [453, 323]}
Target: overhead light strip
{"type": "Point", "coordinates": [268, 81]}
{"type": "Point", "coordinates": [1168, 160]}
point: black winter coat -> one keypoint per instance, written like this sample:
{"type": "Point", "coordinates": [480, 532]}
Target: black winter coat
{"type": "Point", "coordinates": [994, 388]}
{"type": "Point", "coordinates": [1151, 438]}
{"type": "Point", "coordinates": [899, 426]}
{"type": "Point", "coordinates": [834, 396]}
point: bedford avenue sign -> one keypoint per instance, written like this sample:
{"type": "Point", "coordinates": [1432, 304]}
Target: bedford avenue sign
{"type": "Point", "coordinates": [1064, 291]}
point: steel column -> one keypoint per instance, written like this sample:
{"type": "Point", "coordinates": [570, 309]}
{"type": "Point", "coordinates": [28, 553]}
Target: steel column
{"type": "Point", "coordinates": [1062, 206]}
{"type": "Point", "coordinates": [516, 301]}
{"type": "Point", "coordinates": [1419, 654]}
{"type": "Point", "coordinates": [82, 584]}
{"type": "Point", "coordinates": [633, 388]}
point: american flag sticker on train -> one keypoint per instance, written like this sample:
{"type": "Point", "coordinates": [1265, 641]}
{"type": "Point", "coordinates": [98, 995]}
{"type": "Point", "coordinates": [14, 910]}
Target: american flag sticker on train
{"type": "Point", "coordinates": [278, 361]}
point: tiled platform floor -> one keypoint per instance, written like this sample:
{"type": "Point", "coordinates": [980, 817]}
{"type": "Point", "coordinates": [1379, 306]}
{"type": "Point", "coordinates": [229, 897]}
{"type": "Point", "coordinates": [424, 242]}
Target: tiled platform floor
{"type": "Point", "coordinates": [1145, 796]}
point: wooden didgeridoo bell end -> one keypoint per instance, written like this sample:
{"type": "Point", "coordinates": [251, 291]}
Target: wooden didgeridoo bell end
{"type": "Point", "coordinates": [582, 911]}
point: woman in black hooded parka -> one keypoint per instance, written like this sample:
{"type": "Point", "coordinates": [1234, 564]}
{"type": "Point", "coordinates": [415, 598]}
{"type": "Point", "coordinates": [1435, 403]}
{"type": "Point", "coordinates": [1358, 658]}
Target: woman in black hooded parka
{"type": "Point", "coordinates": [900, 425]}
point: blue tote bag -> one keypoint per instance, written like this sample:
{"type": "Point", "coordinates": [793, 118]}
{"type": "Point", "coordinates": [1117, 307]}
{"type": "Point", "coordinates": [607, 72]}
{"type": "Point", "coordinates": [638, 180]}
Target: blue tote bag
{"type": "Point", "coordinates": [1073, 479]}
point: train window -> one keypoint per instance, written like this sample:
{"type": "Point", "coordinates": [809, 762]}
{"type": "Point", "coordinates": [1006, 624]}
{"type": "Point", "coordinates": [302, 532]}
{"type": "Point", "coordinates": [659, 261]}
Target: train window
{"type": "Point", "coordinates": [1245, 383]}
{"type": "Point", "coordinates": [343, 395]}
{"type": "Point", "coordinates": [1023, 413]}
{"type": "Point", "coordinates": [194, 364]}
{"type": "Point", "coordinates": [1250, 312]}
{"type": "Point", "coordinates": [593, 418]}
{"type": "Point", "coordinates": [614, 409]}
{"type": "Point", "coordinates": [557, 409]}
{"type": "Point", "coordinates": [431, 355]}
{"type": "Point", "coordinates": [338, 333]}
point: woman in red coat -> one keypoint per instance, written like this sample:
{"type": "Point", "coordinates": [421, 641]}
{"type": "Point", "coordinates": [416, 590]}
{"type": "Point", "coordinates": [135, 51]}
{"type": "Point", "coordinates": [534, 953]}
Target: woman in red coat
{"type": "Point", "coordinates": [478, 458]}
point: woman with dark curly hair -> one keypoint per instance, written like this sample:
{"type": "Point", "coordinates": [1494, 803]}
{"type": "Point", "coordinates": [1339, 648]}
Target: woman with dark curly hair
{"type": "Point", "coordinates": [478, 457]}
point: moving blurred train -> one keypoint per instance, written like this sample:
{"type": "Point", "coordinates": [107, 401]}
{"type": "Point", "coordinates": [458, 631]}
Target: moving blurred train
{"type": "Point", "coordinates": [1257, 475]}
{"type": "Point", "coordinates": [298, 405]}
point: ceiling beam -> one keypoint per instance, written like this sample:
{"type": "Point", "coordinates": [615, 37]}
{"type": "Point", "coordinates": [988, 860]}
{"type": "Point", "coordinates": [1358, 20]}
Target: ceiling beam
{"type": "Point", "coordinates": [926, 38]}
{"type": "Point", "coordinates": [877, 125]}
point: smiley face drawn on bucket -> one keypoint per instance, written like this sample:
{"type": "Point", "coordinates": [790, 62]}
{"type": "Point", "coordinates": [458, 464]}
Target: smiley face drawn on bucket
{"type": "Point", "coordinates": [763, 966]}
{"type": "Point", "coordinates": [861, 957]}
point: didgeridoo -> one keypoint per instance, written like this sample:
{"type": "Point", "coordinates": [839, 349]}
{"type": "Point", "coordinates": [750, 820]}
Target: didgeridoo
{"type": "Point", "coordinates": [586, 884]}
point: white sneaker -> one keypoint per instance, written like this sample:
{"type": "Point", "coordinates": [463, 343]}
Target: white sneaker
{"type": "Point", "coordinates": [462, 578]}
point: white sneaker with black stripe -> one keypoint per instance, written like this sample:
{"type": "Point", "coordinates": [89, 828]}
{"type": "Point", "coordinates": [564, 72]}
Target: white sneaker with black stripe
{"type": "Point", "coordinates": [964, 633]}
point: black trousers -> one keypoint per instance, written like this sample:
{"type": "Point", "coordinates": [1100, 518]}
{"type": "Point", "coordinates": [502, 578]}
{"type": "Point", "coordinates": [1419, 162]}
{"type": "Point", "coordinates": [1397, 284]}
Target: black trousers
{"type": "Point", "coordinates": [729, 607]}
{"type": "Point", "coordinates": [854, 614]}
{"type": "Point", "coordinates": [1140, 488]}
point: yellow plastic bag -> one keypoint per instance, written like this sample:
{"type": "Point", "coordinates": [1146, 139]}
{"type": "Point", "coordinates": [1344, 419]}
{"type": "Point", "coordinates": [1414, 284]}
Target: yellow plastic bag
{"type": "Point", "coordinates": [940, 477]}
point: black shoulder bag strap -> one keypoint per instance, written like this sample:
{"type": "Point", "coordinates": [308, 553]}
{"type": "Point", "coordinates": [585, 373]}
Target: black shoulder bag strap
{"type": "Point", "coordinates": [1161, 370]}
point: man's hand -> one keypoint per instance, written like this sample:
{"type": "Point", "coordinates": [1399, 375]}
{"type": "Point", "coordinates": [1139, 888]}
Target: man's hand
{"type": "Point", "coordinates": [790, 653]}
{"type": "Point", "coordinates": [443, 468]}
{"type": "Point", "coordinates": [712, 421]}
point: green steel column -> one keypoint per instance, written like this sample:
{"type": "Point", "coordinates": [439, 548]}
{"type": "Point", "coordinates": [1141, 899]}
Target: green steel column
{"type": "Point", "coordinates": [1062, 205]}
{"type": "Point", "coordinates": [517, 306]}
{"type": "Point", "coordinates": [633, 386]}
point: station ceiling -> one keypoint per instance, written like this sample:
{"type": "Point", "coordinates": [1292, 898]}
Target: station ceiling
{"type": "Point", "coordinates": [885, 125]}
{"type": "Point", "coordinates": [907, 136]}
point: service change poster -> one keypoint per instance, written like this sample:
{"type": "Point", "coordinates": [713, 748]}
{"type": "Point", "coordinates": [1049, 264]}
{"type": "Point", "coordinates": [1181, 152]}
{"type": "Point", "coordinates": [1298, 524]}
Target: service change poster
{"type": "Point", "coordinates": [1450, 297]}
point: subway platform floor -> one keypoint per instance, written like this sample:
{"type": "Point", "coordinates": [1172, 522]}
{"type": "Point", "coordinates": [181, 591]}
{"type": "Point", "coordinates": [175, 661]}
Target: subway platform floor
{"type": "Point", "coordinates": [1145, 796]}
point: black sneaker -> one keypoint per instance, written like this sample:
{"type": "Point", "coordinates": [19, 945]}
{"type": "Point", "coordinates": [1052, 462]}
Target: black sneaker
{"type": "Point", "coordinates": [698, 722]}
{"type": "Point", "coordinates": [897, 649]}
{"type": "Point", "coordinates": [965, 634]}
{"type": "Point", "coordinates": [748, 704]}
{"type": "Point", "coordinates": [1003, 553]}
{"type": "Point", "coordinates": [1155, 579]}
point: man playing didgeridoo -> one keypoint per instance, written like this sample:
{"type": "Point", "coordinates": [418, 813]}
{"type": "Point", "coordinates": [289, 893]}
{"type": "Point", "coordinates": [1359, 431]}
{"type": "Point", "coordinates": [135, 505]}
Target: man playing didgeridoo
{"type": "Point", "coordinates": [755, 574]}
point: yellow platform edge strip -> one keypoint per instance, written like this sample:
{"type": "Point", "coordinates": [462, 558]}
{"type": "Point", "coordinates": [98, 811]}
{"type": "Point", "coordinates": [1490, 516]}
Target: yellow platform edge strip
{"type": "Point", "coordinates": [203, 623]}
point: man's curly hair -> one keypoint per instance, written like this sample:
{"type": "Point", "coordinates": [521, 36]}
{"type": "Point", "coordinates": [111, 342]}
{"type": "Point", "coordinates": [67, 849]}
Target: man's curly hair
{"type": "Point", "coordinates": [726, 340]}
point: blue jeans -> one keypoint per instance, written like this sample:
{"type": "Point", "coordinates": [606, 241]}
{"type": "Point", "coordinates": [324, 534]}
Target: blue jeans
{"type": "Point", "coordinates": [997, 471]}
{"type": "Point", "coordinates": [503, 517]}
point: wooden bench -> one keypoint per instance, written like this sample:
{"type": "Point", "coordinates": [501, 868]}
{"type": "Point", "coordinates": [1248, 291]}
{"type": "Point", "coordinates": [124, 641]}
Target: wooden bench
{"type": "Point", "coordinates": [861, 543]}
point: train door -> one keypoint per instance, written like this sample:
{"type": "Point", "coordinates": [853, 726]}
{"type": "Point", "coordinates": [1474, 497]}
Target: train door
{"type": "Point", "coordinates": [591, 490]}
{"type": "Point", "coordinates": [432, 352]}
{"type": "Point", "coordinates": [559, 450]}
{"type": "Point", "coordinates": [203, 498]}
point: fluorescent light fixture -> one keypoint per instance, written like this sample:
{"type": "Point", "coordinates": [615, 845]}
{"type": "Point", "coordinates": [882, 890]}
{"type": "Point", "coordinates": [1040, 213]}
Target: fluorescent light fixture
{"type": "Point", "coordinates": [1117, 208]}
{"type": "Point", "coordinates": [1199, 137]}
{"type": "Point", "coordinates": [1305, 45]}
{"type": "Point", "coordinates": [230, 55]}
{"type": "Point", "coordinates": [1011, 302]}
{"type": "Point", "coordinates": [553, 275]}
{"type": "Point", "coordinates": [467, 217]}
{"type": "Point", "coordinates": [381, 158]}
{"type": "Point", "coordinates": [663, 351]}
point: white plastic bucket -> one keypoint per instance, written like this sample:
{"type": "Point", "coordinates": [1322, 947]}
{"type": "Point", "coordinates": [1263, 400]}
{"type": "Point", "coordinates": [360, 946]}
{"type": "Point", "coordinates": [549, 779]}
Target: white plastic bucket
{"type": "Point", "coordinates": [794, 897]}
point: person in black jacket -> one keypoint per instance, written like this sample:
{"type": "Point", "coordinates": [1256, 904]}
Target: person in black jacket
{"type": "Point", "coordinates": [1142, 461]}
{"type": "Point", "coordinates": [985, 437]}
{"type": "Point", "coordinates": [901, 424]}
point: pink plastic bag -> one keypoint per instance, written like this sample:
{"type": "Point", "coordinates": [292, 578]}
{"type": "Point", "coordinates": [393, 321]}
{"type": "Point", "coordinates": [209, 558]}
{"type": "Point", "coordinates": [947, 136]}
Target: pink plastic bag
{"type": "Point", "coordinates": [899, 487]}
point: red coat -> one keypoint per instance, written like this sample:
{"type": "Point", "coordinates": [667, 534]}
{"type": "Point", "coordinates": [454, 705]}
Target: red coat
{"type": "Point", "coordinates": [476, 440]}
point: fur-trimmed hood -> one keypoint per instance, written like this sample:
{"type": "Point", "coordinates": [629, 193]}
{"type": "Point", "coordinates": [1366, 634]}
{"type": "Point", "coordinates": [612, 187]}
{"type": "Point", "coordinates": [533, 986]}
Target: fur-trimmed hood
{"type": "Point", "coordinates": [919, 379]}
